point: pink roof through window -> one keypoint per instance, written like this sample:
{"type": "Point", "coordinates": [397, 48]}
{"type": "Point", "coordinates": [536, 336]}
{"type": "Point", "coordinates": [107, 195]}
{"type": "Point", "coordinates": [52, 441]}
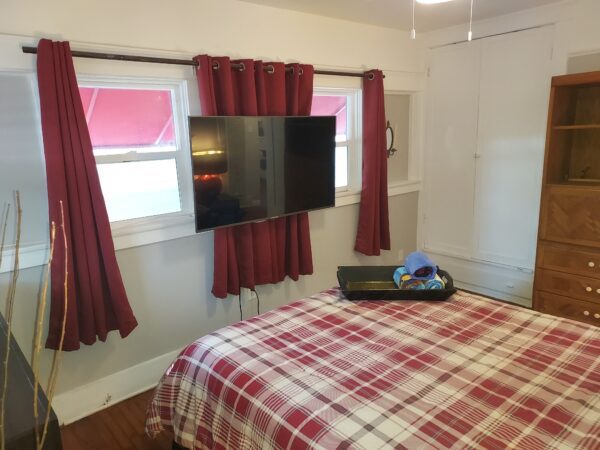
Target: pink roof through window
{"type": "Point", "coordinates": [331, 105]}
{"type": "Point", "coordinates": [128, 117]}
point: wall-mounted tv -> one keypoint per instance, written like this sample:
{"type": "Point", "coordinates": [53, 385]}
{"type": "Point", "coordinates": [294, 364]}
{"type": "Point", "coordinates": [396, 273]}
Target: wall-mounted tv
{"type": "Point", "coordinates": [255, 168]}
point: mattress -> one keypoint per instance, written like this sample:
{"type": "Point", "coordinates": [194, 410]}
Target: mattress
{"type": "Point", "coordinates": [327, 373]}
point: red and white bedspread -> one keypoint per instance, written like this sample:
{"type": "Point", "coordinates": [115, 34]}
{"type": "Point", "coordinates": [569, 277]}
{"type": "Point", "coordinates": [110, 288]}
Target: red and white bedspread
{"type": "Point", "coordinates": [326, 373]}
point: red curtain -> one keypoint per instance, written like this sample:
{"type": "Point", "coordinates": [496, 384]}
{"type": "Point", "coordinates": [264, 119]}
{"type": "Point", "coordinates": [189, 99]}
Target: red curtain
{"type": "Point", "coordinates": [97, 302]}
{"type": "Point", "coordinates": [258, 253]}
{"type": "Point", "coordinates": [373, 232]}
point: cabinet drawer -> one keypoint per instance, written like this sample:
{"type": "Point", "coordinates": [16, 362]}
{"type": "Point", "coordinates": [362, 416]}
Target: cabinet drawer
{"type": "Point", "coordinates": [567, 259]}
{"type": "Point", "coordinates": [567, 307]}
{"type": "Point", "coordinates": [571, 215]}
{"type": "Point", "coordinates": [583, 288]}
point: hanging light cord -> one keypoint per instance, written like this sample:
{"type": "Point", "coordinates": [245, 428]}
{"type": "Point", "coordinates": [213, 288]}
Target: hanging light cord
{"type": "Point", "coordinates": [413, 32]}
{"type": "Point", "coordinates": [470, 35]}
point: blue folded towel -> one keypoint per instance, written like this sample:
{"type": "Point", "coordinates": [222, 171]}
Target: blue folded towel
{"type": "Point", "coordinates": [404, 280]}
{"type": "Point", "coordinates": [420, 267]}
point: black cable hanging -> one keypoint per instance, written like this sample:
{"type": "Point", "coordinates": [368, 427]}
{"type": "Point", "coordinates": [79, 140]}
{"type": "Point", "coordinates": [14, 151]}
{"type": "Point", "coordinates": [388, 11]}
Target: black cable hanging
{"type": "Point", "coordinates": [257, 300]}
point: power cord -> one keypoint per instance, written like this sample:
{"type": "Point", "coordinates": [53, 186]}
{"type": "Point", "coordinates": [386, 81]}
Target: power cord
{"type": "Point", "coordinates": [257, 303]}
{"type": "Point", "coordinates": [257, 300]}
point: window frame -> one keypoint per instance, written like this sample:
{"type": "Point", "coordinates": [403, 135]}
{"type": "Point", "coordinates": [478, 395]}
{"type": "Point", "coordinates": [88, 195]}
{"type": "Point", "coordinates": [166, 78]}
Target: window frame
{"type": "Point", "coordinates": [353, 135]}
{"type": "Point", "coordinates": [181, 111]}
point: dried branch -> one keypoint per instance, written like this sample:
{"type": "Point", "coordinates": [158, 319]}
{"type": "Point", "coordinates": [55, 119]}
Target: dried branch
{"type": "Point", "coordinates": [10, 301]}
{"type": "Point", "coordinates": [4, 224]}
{"type": "Point", "coordinates": [2, 436]}
{"type": "Point", "coordinates": [58, 353]}
{"type": "Point", "coordinates": [37, 340]}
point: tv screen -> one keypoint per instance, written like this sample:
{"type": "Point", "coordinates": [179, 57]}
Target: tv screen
{"type": "Point", "coordinates": [255, 168]}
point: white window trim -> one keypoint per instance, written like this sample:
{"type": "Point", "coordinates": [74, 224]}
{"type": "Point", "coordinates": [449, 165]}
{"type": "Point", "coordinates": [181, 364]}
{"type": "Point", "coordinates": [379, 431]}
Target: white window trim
{"type": "Point", "coordinates": [354, 132]}
{"type": "Point", "coordinates": [144, 230]}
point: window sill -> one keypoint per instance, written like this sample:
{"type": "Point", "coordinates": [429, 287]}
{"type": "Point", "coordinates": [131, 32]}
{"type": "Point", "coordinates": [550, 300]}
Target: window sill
{"type": "Point", "coordinates": [400, 188]}
{"type": "Point", "coordinates": [135, 233]}
{"type": "Point", "coordinates": [150, 230]}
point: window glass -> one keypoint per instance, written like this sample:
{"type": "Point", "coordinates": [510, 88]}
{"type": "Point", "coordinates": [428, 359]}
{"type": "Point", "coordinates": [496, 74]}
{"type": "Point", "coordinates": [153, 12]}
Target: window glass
{"type": "Point", "coordinates": [133, 133]}
{"type": "Point", "coordinates": [336, 105]}
{"type": "Point", "coordinates": [332, 105]}
{"type": "Point", "coordinates": [341, 166]}
{"type": "Point", "coordinates": [139, 188]}
{"type": "Point", "coordinates": [125, 119]}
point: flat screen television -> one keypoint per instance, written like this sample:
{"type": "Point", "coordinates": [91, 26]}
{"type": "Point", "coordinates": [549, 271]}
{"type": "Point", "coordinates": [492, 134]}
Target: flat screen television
{"type": "Point", "coordinates": [255, 168]}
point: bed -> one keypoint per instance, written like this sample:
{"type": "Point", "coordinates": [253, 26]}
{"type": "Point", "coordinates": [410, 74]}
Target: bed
{"type": "Point", "coordinates": [327, 373]}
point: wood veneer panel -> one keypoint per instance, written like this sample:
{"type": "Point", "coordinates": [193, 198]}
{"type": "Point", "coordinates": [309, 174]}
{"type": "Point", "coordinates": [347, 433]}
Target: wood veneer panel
{"type": "Point", "coordinates": [570, 308]}
{"type": "Point", "coordinates": [564, 258]}
{"type": "Point", "coordinates": [576, 79]}
{"type": "Point", "coordinates": [571, 214]}
{"type": "Point", "coordinates": [585, 154]}
{"type": "Point", "coordinates": [560, 283]}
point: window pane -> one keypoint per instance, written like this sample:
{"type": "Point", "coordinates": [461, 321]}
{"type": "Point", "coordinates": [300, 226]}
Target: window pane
{"type": "Point", "coordinates": [140, 188]}
{"type": "Point", "coordinates": [124, 120]}
{"type": "Point", "coordinates": [336, 105]}
{"type": "Point", "coordinates": [332, 105]}
{"type": "Point", "coordinates": [341, 167]}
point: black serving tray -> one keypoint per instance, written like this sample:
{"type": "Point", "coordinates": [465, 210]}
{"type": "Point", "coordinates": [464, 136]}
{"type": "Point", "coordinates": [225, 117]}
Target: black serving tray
{"type": "Point", "coordinates": [377, 283]}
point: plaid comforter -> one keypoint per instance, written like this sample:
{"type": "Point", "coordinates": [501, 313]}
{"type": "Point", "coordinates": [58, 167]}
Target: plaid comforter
{"type": "Point", "coordinates": [326, 373]}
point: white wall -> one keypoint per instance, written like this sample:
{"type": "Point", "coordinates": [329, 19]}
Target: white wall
{"type": "Point", "coordinates": [226, 27]}
{"type": "Point", "coordinates": [169, 283]}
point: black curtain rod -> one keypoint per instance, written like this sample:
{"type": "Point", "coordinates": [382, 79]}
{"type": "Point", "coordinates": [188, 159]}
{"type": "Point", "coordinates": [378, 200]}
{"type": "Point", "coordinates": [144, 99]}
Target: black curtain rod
{"type": "Point", "coordinates": [181, 62]}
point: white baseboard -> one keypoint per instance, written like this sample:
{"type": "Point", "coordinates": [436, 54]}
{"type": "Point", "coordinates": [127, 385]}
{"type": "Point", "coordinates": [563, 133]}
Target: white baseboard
{"type": "Point", "coordinates": [501, 282]}
{"type": "Point", "coordinates": [527, 303]}
{"type": "Point", "coordinates": [82, 401]}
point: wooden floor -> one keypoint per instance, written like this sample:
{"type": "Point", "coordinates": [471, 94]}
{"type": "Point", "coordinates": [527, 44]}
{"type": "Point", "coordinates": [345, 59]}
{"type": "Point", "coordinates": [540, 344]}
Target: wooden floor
{"type": "Point", "coordinates": [120, 427]}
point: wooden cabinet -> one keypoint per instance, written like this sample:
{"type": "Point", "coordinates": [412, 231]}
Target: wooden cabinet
{"type": "Point", "coordinates": [567, 276]}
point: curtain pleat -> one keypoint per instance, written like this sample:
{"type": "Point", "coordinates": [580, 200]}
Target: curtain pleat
{"type": "Point", "coordinates": [373, 233]}
{"type": "Point", "coordinates": [97, 301]}
{"type": "Point", "coordinates": [266, 252]}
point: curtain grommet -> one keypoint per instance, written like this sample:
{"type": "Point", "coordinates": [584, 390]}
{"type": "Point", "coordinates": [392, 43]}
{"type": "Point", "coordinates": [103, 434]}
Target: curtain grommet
{"type": "Point", "coordinates": [270, 69]}
{"type": "Point", "coordinates": [371, 76]}
{"type": "Point", "coordinates": [300, 71]}
{"type": "Point", "coordinates": [242, 67]}
{"type": "Point", "coordinates": [216, 65]}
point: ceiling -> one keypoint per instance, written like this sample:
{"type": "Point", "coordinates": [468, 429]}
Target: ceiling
{"type": "Point", "coordinates": [398, 13]}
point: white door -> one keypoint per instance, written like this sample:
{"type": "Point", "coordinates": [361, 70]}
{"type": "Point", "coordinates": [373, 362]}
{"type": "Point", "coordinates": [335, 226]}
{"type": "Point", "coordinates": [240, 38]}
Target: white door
{"type": "Point", "coordinates": [513, 104]}
{"type": "Point", "coordinates": [451, 144]}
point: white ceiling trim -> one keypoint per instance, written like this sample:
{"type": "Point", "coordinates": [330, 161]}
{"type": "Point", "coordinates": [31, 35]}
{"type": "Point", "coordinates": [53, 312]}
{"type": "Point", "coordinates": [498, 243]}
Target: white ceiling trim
{"type": "Point", "coordinates": [398, 13]}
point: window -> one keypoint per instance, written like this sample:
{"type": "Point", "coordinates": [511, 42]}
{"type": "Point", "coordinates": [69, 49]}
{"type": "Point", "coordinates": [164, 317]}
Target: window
{"type": "Point", "coordinates": [344, 105]}
{"type": "Point", "coordinates": [139, 138]}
